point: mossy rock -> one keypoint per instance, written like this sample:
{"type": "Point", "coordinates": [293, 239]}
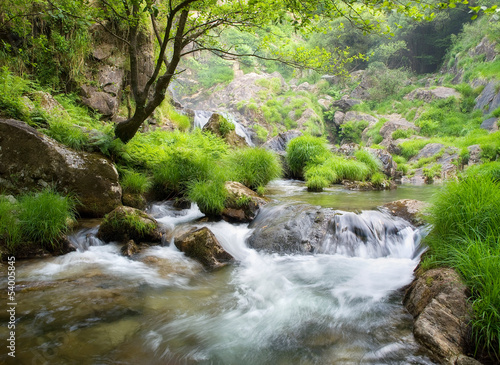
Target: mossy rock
{"type": "Point", "coordinates": [242, 204]}
{"type": "Point", "coordinates": [221, 127]}
{"type": "Point", "coordinates": [202, 245]}
{"type": "Point", "coordinates": [127, 223]}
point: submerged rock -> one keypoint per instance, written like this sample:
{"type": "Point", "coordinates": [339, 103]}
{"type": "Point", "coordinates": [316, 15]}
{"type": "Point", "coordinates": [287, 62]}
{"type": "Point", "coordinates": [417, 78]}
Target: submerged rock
{"type": "Point", "coordinates": [242, 204]}
{"type": "Point", "coordinates": [127, 223]}
{"type": "Point", "coordinates": [29, 160]}
{"type": "Point", "coordinates": [201, 245]}
{"type": "Point", "coordinates": [408, 209]}
{"type": "Point", "coordinates": [438, 301]}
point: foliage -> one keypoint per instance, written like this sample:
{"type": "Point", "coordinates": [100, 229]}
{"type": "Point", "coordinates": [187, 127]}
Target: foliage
{"type": "Point", "coordinates": [385, 83]}
{"type": "Point", "coordinates": [350, 132]}
{"type": "Point", "coordinates": [430, 173]}
{"type": "Point", "coordinates": [402, 133]}
{"type": "Point", "coordinates": [374, 131]}
{"type": "Point", "coordinates": [39, 218]}
{"type": "Point", "coordinates": [371, 161]}
{"type": "Point", "coordinates": [12, 89]}
{"type": "Point", "coordinates": [488, 169]}
{"type": "Point", "coordinates": [135, 182]}
{"type": "Point", "coordinates": [210, 195]}
{"type": "Point", "coordinates": [377, 179]}
{"type": "Point", "coordinates": [465, 235]}
{"type": "Point", "coordinates": [254, 167]}
{"type": "Point", "coordinates": [302, 150]}
{"type": "Point", "coordinates": [225, 126]}
{"type": "Point", "coordinates": [262, 133]}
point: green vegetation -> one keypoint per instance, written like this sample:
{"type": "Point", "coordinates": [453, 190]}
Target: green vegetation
{"type": "Point", "coordinates": [135, 182]}
{"type": "Point", "coordinates": [210, 195]}
{"type": "Point", "coordinates": [373, 163]}
{"type": "Point", "coordinates": [254, 167]}
{"type": "Point", "coordinates": [302, 150]}
{"type": "Point", "coordinates": [465, 236]}
{"type": "Point", "coordinates": [38, 219]}
{"type": "Point", "coordinates": [225, 126]}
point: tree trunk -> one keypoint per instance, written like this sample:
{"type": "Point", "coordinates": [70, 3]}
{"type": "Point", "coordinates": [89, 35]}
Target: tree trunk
{"type": "Point", "coordinates": [127, 129]}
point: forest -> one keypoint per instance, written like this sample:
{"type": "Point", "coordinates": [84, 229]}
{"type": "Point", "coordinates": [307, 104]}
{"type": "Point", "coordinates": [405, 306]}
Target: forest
{"type": "Point", "coordinates": [250, 182]}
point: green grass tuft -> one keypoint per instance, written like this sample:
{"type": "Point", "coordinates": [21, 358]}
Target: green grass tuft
{"type": "Point", "coordinates": [304, 149]}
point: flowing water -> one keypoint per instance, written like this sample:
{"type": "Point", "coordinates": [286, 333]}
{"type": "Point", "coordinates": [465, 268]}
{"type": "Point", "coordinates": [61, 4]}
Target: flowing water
{"type": "Point", "coordinates": [337, 306]}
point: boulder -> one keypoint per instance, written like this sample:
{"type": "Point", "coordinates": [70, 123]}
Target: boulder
{"type": "Point", "coordinates": [130, 249]}
{"type": "Point", "coordinates": [29, 160]}
{"type": "Point", "coordinates": [127, 223]}
{"type": "Point", "coordinates": [489, 99]}
{"type": "Point", "coordinates": [280, 142]}
{"type": "Point", "coordinates": [100, 101]}
{"type": "Point", "coordinates": [395, 122]}
{"type": "Point", "coordinates": [490, 124]}
{"type": "Point", "coordinates": [389, 167]}
{"type": "Point", "coordinates": [338, 118]}
{"type": "Point", "coordinates": [485, 47]}
{"type": "Point", "coordinates": [448, 157]}
{"type": "Point", "coordinates": [214, 125]}
{"type": "Point", "coordinates": [430, 94]}
{"type": "Point", "coordinates": [438, 301]}
{"type": "Point", "coordinates": [369, 186]}
{"type": "Point", "coordinates": [201, 245]}
{"type": "Point", "coordinates": [358, 116]}
{"type": "Point", "coordinates": [242, 204]}
{"type": "Point", "coordinates": [408, 209]}
{"type": "Point", "coordinates": [345, 104]}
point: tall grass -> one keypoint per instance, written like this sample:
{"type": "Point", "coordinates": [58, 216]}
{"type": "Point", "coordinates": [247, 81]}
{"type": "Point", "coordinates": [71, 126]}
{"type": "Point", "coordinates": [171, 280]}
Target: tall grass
{"type": "Point", "coordinates": [10, 229]}
{"type": "Point", "coordinates": [254, 167]}
{"type": "Point", "coordinates": [302, 150]}
{"type": "Point", "coordinates": [210, 195]}
{"type": "Point", "coordinates": [44, 216]}
{"type": "Point", "coordinates": [135, 182]}
{"type": "Point", "coordinates": [371, 161]}
{"type": "Point", "coordinates": [466, 236]}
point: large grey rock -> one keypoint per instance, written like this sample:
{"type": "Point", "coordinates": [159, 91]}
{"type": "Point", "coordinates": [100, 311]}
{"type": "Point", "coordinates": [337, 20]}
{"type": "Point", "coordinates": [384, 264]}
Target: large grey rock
{"type": "Point", "coordinates": [395, 122]}
{"type": "Point", "coordinates": [430, 94]}
{"type": "Point", "coordinates": [242, 204]}
{"type": "Point", "coordinates": [202, 245]}
{"type": "Point", "coordinates": [100, 101]}
{"type": "Point", "coordinates": [485, 47]}
{"type": "Point", "coordinates": [111, 79]}
{"type": "Point", "coordinates": [490, 124]}
{"type": "Point", "coordinates": [280, 142]}
{"type": "Point", "coordinates": [389, 167]}
{"type": "Point", "coordinates": [358, 116]}
{"type": "Point", "coordinates": [489, 99]}
{"type": "Point", "coordinates": [30, 160]}
{"type": "Point", "coordinates": [345, 104]}
{"type": "Point", "coordinates": [338, 118]}
{"type": "Point", "coordinates": [447, 158]}
{"type": "Point", "coordinates": [438, 301]}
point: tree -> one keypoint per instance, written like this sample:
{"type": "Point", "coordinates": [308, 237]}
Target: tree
{"type": "Point", "coordinates": [183, 27]}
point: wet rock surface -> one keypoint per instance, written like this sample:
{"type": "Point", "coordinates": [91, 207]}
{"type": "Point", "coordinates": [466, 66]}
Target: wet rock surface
{"type": "Point", "coordinates": [242, 204]}
{"type": "Point", "coordinates": [127, 223]}
{"type": "Point", "coordinates": [29, 160]}
{"type": "Point", "coordinates": [408, 209]}
{"type": "Point", "coordinates": [438, 301]}
{"type": "Point", "coordinates": [201, 245]}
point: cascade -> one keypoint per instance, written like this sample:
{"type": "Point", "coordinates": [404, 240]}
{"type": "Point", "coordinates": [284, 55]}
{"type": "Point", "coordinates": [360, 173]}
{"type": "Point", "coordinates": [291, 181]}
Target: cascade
{"type": "Point", "coordinates": [339, 304]}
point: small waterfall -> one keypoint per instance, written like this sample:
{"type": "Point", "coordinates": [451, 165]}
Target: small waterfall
{"type": "Point", "coordinates": [201, 118]}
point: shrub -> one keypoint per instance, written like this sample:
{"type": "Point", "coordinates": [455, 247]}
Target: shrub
{"type": "Point", "coordinates": [350, 132]}
{"type": "Point", "coordinates": [304, 149]}
{"type": "Point", "coordinates": [254, 167]}
{"type": "Point", "coordinates": [44, 216]}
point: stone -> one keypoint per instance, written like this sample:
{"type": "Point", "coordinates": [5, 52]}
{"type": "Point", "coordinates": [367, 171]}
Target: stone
{"type": "Point", "coordinates": [100, 101]}
{"type": "Point", "coordinates": [430, 94]}
{"type": "Point", "coordinates": [490, 124]}
{"type": "Point", "coordinates": [202, 245]}
{"type": "Point", "coordinates": [345, 104]}
{"type": "Point", "coordinates": [474, 154]}
{"type": "Point", "coordinates": [395, 122]}
{"type": "Point", "coordinates": [338, 118]}
{"type": "Point", "coordinates": [438, 301]}
{"type": "Point", "coordinates": [242, 204]}
{"type": "Point", "coordinates": [408, 209]}
{"type": "Point", "coordinates": [489, 99]}
{"type": "Point", "coordinates": [389, 167]}
{"type": "Point", "coordinates": [485, 47]}
{"type": "Point", "coordinates": [130, 249]}
{"type": "Point", "coordinates": [30, 160]}
{"type": "Point", "coordinates": [111, 79]}
{"type": "Point", "coordinates": [448, 157]}
{"type": "Point", "coordinates": [127, 223]}
{"type": "Point", "coordinates": [280, 142]}
{"type": "Point", "coordinates": [358, 116]}
{"type": "Point", "coordinates": [369, 186]}
{"type": "Point", "coordinates": [231, 138]}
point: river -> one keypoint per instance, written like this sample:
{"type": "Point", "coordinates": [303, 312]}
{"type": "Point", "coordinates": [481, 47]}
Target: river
{"type": "Point", "coordinates": [94, 306]}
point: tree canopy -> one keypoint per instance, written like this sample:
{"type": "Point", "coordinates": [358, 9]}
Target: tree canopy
{"type": "Point", "coordinates": [183, 27]}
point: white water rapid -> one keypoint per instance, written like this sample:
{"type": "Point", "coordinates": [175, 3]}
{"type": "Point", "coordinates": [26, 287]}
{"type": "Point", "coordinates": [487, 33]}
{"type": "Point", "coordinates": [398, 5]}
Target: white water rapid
{"type": "Point", "coordinates": [95, 306]}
